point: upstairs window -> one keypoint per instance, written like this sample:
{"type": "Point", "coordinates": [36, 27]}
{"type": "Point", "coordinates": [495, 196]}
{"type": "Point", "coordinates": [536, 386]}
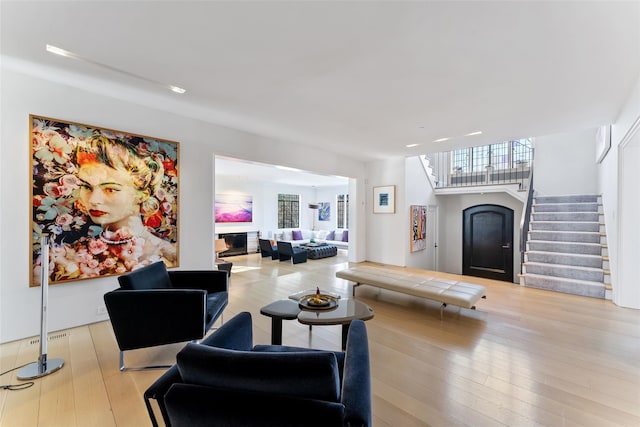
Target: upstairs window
{"type": "Point", "coordinates": [504, 155]}
{"type": "Point", "coordinates": [521, 152]}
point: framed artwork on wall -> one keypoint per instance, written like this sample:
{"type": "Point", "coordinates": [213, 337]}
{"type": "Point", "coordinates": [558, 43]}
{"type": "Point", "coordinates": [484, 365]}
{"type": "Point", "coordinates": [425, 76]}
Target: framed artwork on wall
{"type": "Point", "coordinates": [324, 212]}
{"type": "Point", "coordinates": [234, 207]}
{"type": "Point", "coordinates": [106, 199]}
{"type": "Point", "coordinates": [384, 199]}
{"type": "Point", "coordinates": [418, 223]}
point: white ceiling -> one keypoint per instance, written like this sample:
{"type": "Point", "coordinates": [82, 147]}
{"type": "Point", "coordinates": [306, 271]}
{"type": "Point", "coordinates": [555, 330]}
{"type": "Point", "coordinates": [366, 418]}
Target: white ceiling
{"type": "Point", "coordinates": [244, 171]}
{"type": "Point", "coordinates": [363, 78]}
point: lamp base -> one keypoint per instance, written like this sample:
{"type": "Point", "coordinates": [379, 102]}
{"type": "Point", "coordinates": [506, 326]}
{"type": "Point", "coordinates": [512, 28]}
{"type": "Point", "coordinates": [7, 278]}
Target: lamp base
{"type": "Point", "coordinates": [38, 369]}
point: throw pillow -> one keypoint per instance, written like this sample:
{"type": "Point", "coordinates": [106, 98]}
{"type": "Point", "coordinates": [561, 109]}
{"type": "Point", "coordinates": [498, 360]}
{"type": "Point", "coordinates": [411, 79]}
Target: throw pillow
{"type": "Point", "coordinates": [331, 235]}
{"type": "Point", "coordinates": [345, 236]}
{"type": "Point", "coordinates": [296, 234]}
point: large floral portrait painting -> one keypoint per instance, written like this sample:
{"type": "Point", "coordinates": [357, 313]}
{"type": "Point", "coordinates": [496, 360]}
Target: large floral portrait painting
{"type": "Point", "coordinates": [107, 200]}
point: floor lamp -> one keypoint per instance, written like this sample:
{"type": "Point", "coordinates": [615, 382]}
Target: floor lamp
{"type": "Point", "coordinates": [315, 207]}
{"type": "Point", "coordinates": [43, 366]}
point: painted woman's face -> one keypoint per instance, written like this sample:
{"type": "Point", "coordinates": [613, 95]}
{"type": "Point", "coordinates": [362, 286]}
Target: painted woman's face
{"type": "Point", "coordinates": [108, 195]}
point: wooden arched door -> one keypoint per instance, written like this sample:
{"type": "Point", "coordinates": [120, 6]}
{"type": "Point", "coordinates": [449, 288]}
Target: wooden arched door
{"type": "Point", "coordinates": [488, 242]}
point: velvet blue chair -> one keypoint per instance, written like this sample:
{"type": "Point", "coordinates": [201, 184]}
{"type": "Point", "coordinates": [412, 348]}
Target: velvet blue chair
{"type": "Point", "coordinates": [266, 249]}
{"type": "Point", "coordinates": [227, 381]}
{"type": "Point", "coordinates": [154, 307]}
{"type": "Point", "coordinates": [286, 252]}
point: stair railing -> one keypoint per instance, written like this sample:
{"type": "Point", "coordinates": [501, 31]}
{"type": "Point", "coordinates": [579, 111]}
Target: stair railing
{"type": "Point", "coordinates": [526, 216]}
{"type": "Point", "coordinates": [494, 164]}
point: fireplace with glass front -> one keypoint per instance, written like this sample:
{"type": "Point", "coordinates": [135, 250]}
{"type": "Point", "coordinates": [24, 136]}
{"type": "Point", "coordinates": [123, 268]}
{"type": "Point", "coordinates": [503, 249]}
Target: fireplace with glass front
{"type": "Point", "coordinates": [236, 244]}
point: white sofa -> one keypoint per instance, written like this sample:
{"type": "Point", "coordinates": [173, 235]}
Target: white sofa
{"type": "Point", "coordinates": [340, 238]}
{"type": "Point", "coordinates": [317, 235]}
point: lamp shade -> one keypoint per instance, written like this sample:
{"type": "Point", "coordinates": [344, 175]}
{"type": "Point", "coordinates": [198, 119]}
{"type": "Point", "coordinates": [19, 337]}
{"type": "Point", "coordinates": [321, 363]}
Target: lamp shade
{"type": "Point", "coordinates": [221, 245]}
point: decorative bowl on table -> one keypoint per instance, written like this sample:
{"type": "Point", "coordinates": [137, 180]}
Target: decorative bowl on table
{"type": "Point", "coordinates": [318, 301]}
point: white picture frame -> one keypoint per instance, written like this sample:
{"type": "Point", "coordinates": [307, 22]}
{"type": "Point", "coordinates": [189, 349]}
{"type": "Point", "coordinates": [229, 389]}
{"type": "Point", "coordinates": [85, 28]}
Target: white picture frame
{"type": "Point", "coordinates": [384, 199]}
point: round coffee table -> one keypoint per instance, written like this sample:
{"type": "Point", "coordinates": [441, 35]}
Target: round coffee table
{"type": "Point", "coordinates": [346, 311]}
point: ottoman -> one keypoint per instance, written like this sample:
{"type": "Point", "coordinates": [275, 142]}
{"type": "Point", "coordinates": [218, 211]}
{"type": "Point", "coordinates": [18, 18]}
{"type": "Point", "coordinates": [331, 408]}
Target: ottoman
{"type": "Point", "coordinates": [318, 252]}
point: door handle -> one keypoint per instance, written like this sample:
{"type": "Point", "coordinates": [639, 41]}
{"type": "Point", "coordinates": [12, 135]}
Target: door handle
{"type": "Point", "coordinates": [507, 246]}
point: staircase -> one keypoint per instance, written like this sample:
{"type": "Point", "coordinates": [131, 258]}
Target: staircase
{"type": "Point", "coordinates": [566, 246]}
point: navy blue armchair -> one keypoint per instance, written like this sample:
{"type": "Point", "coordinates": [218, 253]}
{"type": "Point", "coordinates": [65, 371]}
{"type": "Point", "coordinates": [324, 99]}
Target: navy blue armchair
{"type": "Point", "coordinates": [286, 252]}
{"type": "Point", "coordinates": [154, 306]}
{"type": "Point", "coordinates": [267, 250]}
{"type": "Point", "coordinates": [227, 381]}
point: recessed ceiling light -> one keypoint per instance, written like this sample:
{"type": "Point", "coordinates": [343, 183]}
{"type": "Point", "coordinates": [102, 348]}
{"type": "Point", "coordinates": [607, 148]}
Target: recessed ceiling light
{"type": "Point", "coordinates": [58, 51]}
{"type": "Point", "coordinates": [411, 145]}
{"type": "Point", "coordinates": [67, 54]}
{"type": "Point", "coordinates": [474, 133]}
{"type": "Point", "coordinates": [287, 168]}
{"type": "Point", "coordinates": [441, 139]}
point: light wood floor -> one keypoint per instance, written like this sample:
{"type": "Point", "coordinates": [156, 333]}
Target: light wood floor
{"type": "Point", "coordinates": [525, 357]}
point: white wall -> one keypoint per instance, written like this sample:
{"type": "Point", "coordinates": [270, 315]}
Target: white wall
{"type": "Point", "coordinates": [76, 303]}
{"type": "Point", "coordinates": [608, 187]}
{"type": "Point", "coordinates": [565, 164]}
{"type": "Point", "coordinates": [418, 191]}
{"type": "Point", "coordinates": [618, 184]}
{"type": "Point", "coordinates": [358, 221]}
{"type": "Point", "coordinates": [387, 232]}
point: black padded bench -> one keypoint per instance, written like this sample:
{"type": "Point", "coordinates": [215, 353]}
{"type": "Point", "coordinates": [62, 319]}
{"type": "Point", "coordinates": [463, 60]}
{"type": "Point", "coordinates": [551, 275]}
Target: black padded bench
{"type": "Point", "coordinates": [317, 252]}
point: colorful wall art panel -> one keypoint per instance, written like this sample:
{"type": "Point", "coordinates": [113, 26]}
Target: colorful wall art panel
{"type": "Point", "coordinates": [324, 213]}
{"type": "Point", "coordinates": [234, 208]}
{"type": "Point", "coordinates": [418, 227]}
